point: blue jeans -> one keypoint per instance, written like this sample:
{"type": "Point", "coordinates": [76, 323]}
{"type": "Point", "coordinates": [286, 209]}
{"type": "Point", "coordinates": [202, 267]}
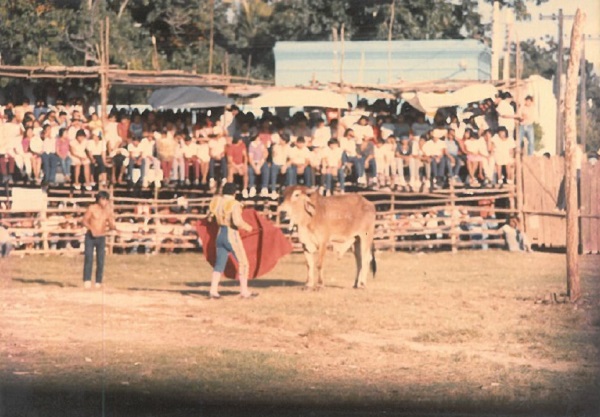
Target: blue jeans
{"type": "Point", "coordinates": [274, 171]}
{"type": "Point", "coordinates": [358, 164]}
{"type": "Point", "coordinates": [91, 243]}
{"type": "Point", "coordinates": [65, 164]}
{"type": "Point", "coordinates": [341, 175]}
{"type": "Point", "coordinates": [527, 131]}
{"type": "Point", "coordinates": [211, 168]}
{"type": "Point", "coordinates": [5, 248]}
{"type": "Point", "coordinates": [264, 176]}
{"type": "Point", "coordinates": [49, 161]}
{"type": "Point", "coordinates": [292, 175]}
{"type": "Point", "coordinates": [438, 168]}
{"type": "Point", "coordinates": [142, 170]}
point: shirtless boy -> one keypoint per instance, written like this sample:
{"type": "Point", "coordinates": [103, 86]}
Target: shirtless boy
{"type": "Point", "coordinates": [96, 219]}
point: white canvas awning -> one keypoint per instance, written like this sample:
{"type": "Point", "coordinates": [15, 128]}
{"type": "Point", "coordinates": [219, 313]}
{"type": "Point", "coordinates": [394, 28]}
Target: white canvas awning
{"type": "Point", "coordinates": [300, 97]}
{"type": "Point", "coordinates": [187, 98]}
{"type": "Point", "coordinates": [430, 102]}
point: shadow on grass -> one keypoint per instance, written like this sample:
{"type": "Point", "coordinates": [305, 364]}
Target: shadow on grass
{"type": "Point", "coordinates": [20, 399]}
{"type": "Point", "coordinates": [196, 293]}
{"type": "Point", "coordinates": [40, 281]}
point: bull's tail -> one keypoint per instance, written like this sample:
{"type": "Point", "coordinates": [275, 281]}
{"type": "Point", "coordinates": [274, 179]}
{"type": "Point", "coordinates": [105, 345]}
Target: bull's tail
{"type": "Point", "coordinates": [373, 261]}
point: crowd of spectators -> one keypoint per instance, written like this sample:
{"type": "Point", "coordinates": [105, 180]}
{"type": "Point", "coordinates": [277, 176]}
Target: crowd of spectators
{"type": "Point", "coordinates": [374, 146]}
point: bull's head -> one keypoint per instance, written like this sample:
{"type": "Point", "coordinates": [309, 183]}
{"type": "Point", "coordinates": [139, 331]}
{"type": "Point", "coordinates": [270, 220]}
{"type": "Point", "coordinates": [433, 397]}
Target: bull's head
{"type": "Point", "coordinates": [299, 204]}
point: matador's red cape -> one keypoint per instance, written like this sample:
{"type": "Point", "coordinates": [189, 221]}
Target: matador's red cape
{"type": "Point", "coordinates": [264, 245]}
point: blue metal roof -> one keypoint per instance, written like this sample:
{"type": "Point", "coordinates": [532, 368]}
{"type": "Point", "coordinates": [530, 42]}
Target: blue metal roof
{"type": "Point", "coordinates": [381, 62]}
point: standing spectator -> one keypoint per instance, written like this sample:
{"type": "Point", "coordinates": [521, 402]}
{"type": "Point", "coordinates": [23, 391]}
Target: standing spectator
{"type": "Point", "coordinates": [13, 135]}
{"type": "Point", "coordinates": [351, 158]}
{"type": "Point", "coordinates": [237, 163]}
{"type": "Point", "coordinates": [320, 135]}
{"type": "Point", "coordinates": [381, 162]}
{"type": "Point", "coordinates": [257, 165]}
{"type": "Point", "coordinates": [96, 219]}
{"type": "Point", "coordinates": [63, 156]}
{"type": "Point", "coordinates": [229, 120]}
{"type": "Point", "coordinates": [78, 149]}
{"type": "Point", "coordinates": [153, 169]}
{"type": "Point", "coordinates": [36, 148]}
{"type": "Point", "coordinates": [506, 113]}
{"type": "Point", "coordinates": [333, 166]}
{"type": "Point", "coordinates": [299, 163]}
{"type": "Point", "coordinates": [487, 162]}
{"type": "Point", "coordinates": [179, 159]}
{"type": "Point", "coordinates": [527, 117]}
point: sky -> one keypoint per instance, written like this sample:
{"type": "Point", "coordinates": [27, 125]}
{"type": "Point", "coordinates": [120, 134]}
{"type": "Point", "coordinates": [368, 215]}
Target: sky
{"type": "Point", "coordinates": [536, 28]}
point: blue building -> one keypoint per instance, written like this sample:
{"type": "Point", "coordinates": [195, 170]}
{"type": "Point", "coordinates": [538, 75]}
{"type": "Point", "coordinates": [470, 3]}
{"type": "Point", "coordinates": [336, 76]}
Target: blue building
{"type": "Point", "coordinates": [381, 62]}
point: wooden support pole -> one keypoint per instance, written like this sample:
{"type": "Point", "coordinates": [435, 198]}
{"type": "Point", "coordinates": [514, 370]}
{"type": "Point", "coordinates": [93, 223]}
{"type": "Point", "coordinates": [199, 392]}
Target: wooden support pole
{"type": "Point", "coordinates": [573, 284]}
{"type": "Point", "coordinates": [518, 197]}
{"type": "Point", "coordinates": [211, 40]}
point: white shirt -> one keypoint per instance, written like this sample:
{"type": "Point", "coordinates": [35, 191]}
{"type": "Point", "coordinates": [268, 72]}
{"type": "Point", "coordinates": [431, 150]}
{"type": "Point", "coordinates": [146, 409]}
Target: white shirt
{"type": "Point", "coordinates": [135, 151]}
{"type": "Point", "coordinates": [96, 148]}
{"type": "Point", "coordinates": [49, 145]}
{"type": "Point", "coordinates": [332, 157]}
{"type": "Point", "coordinates": [434, 148]}
{"type": "Point", "coordinates": [189, 149]}
{"type": "Point", "coordinates": [203, 152]}
{"type": "Point", "coordinates": [299, 156]}
{"type": "Point", "coordinates": [78, 148]}
{"type": "Point", "coordinates": [349, 146]}
{"type": "Point", "coordinates": [147, 146]}
{"type": "Point", "coordinates": [36, 145]}
{"type": "Point", "coordinates": [361, 132]}
{"type": "Point", "coordinates": [217, 146]}
{"type": "Point", "coordinates": [321, 136]}
{"type": "Point", "coordinates": [281, 152]}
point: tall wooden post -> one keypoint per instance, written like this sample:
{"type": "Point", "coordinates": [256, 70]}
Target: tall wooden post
{"type": "Point", "coordinates": [559, 102]}
{"type": "Point", "coordinates": [573, 284]}
{"type": "Point", "coordinates": [211, 40]}
{"type": "Point", "coordinates": [583, 97]}
{"type": "Point", "coordinates": [104, 66]}
{"type": "Point", "coordinates": [519, 154]}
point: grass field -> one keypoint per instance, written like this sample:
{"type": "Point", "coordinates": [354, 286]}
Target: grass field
{"type": "Point", "coordinates": [474, 333]}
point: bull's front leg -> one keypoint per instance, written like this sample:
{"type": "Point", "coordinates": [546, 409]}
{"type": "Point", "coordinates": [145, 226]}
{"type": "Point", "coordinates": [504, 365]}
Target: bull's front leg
{"type": "Point", "coordinates": [310, 267]}
{"type": "Point", "coordinates": [320, 260]}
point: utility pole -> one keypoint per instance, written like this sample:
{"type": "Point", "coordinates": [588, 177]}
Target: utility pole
{"type": "Point", "coordinates": [573, 284]}
{"type": "Point", "coordinates": [559, 73]}
{"type": "Point", "coordinates": [583, 96]}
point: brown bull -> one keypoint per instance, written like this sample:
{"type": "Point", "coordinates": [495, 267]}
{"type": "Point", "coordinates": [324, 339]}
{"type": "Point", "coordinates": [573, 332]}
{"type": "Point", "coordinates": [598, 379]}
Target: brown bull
{"type": "Point", "coordinates": [340, 220]}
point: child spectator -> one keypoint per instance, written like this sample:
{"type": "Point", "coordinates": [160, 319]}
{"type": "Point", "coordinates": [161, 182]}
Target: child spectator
{"type": "Point", "coordinates": [165, 149]}
{"type": "Point", "coordinates": [216, 146]}
{"type": "Point", "coordinates": [435, 149]}
{"type": "Point", "coordinates": [190, 157]}
{"type": "Point", "coordinates": [474, 157]}
{"type": "Point", "coordinates": [96, 149]}
{"type": "Point", "coordinates": [366, 150]}
{"type": "Point", "coordinates": [136, 160]}
{"type": "Point", "coordinates": [402, 158]}
{"type": "Point", "coordinates": [503, 150]}
{"type": "Point", "coordinates": [63, 156]}
{"type": "Point", "coordinates": [203, 155]}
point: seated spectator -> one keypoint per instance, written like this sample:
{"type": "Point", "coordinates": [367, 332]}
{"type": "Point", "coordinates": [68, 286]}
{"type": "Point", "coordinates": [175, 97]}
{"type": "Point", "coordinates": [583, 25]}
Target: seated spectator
{"type": "Point", "coordinates": [23, 156]}
{"type": "Point", "coordinates": [299, 163]}
{"type": "Point", "coordinates": [455, 155]}
{"type": "Point", "coordinates": [333, 166]}
{"type": "Point", "coordinates": [257, 165]}
{"type": "Point", "coordinates": [136, 161]}
{"type": "Point", "coordinates": [474, 157]}
{"type": "Point", "coordinates": [36, 149]}
{"type": "Point", "coordinates": [279, 165]}
{"type": "Point", "coordinates": [96, 149]}
{"type": "Point", "coordinates": [165, 149]}
{"type": "Point", "coordinates": [366, 151]}
{"type": "Point", "coordinates": [80, 158]}
{"type": "Point", "coordinates": [190, 157]}
{"type": "Point", "coordinates": [63, 155]}
{"type": "Point", "coordinates": [435, 149]}
{"type": "Point", "coordinates": [351, 158]}
{"type": "Point", "coordinates": [216, 147]}
{"type": "Point", "coordinates": [237, 163]}
{"type": "Point", "coordinates": [382, 162]}
{"type": "Point", "coordinates": [516, 240]}
{"type": "Point", "coordinates": [402, 158]}
{"type": "Point", "coordinates": [48, 154]}
{"type": "Point", "coordinates": [203, 155]}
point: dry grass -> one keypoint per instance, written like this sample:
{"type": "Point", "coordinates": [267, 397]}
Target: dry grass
{"type": "Point", "coordinates": [437, 332]}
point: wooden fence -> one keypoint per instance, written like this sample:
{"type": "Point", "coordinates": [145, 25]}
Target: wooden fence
{"type": "Point", "coordinates": [450, 220]}
{"type": "Point", "coordinates": [544, 203]}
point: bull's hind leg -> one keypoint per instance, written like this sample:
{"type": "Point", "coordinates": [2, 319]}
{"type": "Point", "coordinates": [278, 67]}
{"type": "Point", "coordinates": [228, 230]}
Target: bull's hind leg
{"type": "Point", "coordinates": [359, 263]}
{"type": "Point", "coordinates": [364, 254]}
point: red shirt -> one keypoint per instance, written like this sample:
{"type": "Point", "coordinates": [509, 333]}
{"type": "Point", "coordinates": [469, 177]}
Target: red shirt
{"type": "Point", "coordinates": [236, 152]}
